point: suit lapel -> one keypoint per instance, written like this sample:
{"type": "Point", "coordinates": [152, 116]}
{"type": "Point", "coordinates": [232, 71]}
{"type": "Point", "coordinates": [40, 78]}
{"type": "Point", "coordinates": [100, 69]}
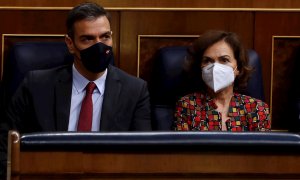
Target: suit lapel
{"type": "Point", "coordinates": [110, 100]}
{"type": "Point", "coordinates": [63, 92]}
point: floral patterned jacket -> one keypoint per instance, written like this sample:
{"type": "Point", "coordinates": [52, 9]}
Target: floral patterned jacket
{"type": "Point", "coordinates": [197, 111]}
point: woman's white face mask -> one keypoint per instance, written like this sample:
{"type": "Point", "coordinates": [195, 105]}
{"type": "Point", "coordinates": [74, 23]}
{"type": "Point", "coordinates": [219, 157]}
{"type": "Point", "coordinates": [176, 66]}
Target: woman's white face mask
{"type": "Point", "coordinates": [218, 76]}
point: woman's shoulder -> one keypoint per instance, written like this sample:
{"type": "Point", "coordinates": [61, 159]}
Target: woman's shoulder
{"type": "Point", "coordinates": [250, 100]}
{"type": "Point", "coordinates": [194, 95]}
{"type": "Point", "coordinates": [191, 100]}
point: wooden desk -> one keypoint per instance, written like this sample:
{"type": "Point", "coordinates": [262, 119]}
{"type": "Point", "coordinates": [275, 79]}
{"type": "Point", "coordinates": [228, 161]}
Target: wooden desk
{"type": "Point", "coordinates": [153, 161]}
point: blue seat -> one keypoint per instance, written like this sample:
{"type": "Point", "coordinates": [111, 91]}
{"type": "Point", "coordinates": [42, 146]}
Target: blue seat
{"type": "Point", "coordinates": [255, 84]}
{"type": "Point", "coordinates": [169, 81]}
{"type": "Point", "coordinates": [27, 56]}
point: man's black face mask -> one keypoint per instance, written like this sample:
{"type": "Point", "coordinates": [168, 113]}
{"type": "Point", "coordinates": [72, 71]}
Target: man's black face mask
{"type": "Point", "coordinates": [96, 57]}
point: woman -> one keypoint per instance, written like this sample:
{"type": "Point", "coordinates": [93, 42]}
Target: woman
{"type": "Point", "coordinates": [221, 63]}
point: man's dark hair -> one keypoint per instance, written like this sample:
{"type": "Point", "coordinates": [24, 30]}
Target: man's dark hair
{"type": "Point", "coordinates": [84, 11]}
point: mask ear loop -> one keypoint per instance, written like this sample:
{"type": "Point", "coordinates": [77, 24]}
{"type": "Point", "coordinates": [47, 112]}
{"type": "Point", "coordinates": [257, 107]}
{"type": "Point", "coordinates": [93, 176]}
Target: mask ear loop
{"type": "Point", "coordinates": [77, 50]}
{"type": "Point", "coordinates": [235, 69]}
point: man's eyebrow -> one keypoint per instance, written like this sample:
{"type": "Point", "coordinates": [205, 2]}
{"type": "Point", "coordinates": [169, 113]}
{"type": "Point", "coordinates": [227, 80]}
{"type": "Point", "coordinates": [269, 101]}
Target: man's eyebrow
{"type": "Point", "coordinates": [87, 36]}
{"type": "Point", "coordinates": [106, 33]}
{"type": "Point", "coordinates": [92, 37]}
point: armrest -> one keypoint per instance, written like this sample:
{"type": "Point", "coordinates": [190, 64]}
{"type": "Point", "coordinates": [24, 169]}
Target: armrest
{"type": "Point", "coordinates": [245, 141]}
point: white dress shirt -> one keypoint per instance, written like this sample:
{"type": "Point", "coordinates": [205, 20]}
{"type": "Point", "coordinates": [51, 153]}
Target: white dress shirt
{"type": "Point", "coordinates": [78, 94]}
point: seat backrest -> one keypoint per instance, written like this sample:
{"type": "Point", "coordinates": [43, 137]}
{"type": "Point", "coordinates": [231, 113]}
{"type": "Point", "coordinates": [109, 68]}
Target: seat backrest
{"type": "Point", "coordinates": [169, 82]}
{"type": "Point", "coordinates": [27, 56]}
{"type": "Point", "coordinates": [255, 84]}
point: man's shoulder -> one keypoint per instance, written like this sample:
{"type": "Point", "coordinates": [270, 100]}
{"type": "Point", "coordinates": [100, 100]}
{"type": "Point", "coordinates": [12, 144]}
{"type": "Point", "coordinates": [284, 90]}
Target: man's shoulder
{"type": "Point", "coordinates": [124, 76]}
{"type": "Point", "coordinates": [51, 70]}
{"type": "Point", "coordinates": [49, 74]}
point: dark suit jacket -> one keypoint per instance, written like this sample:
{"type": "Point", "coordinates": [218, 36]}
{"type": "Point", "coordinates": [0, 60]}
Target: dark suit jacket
{"type": "Point", "coordinates": [42, 102]}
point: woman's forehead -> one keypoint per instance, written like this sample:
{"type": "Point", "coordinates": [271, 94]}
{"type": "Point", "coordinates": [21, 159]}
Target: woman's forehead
{"type": "Point", "coordinates": [218, 49]}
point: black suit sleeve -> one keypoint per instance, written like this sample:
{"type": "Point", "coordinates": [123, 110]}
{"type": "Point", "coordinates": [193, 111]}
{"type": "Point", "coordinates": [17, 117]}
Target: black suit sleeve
{"type": "Point", "coordinates": [2, 135]}
{"type": "Point", "coordinates": [142, 118]}
{"type": "Point", "coordinates": [8, 122]}
{"type": "Point", "coordinates": [17, 116]}
{"type": "Point", "coordinates": [3, 149]}
{"type": "Point", "coordinates": [20, 111]}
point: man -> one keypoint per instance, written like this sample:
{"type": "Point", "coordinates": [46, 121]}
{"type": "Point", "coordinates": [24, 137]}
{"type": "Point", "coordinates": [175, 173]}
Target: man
{"type": "Point", "coordinates": [52, 100]}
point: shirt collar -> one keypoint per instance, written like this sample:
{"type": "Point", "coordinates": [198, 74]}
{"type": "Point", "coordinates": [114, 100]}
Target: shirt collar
{"type": "Point", "coordinates": [80, 82]}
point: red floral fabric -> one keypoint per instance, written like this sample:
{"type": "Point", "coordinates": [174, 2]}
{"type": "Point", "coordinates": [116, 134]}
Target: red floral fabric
{"type": "Point", "coordinates": [197, 111]}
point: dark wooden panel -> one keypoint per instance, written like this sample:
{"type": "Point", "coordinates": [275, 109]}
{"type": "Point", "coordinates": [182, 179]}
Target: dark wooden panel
{"type": "Point", "coordinates": [46, 23]}
{"type": "Point", "coordinates": [176, 23]}
{"type": "Point", "coordinates": [285, 79]}
{"type": "Point", "coordinates": [187, 162]}
{"type": "Point", "coordinates": [31, 22]}
{"type": "Point", "coordinates": [266, 26]}
{"type": "Point", "coordinates": [162, 3]}
{"type": "Point", "coordinates": [39, 21]}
